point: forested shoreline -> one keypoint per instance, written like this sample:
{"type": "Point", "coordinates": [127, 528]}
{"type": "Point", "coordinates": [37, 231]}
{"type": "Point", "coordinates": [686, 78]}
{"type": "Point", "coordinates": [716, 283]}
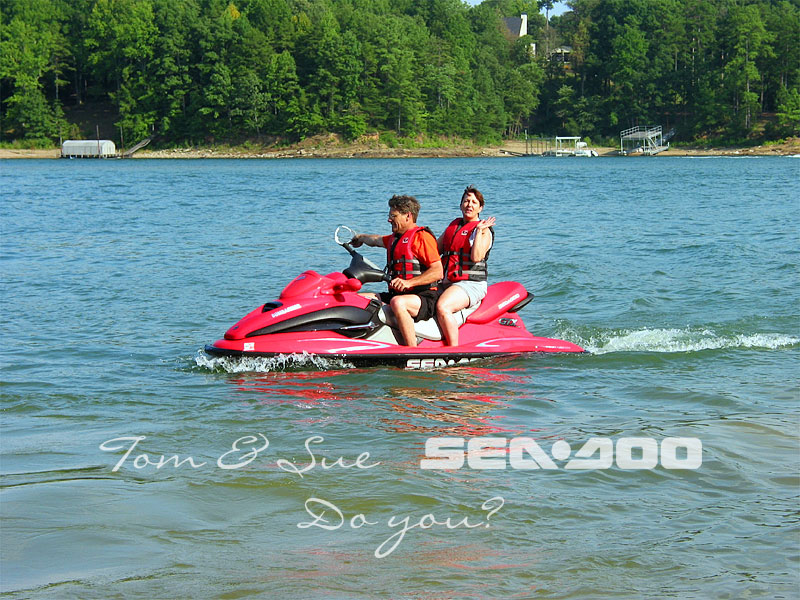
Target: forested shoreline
{"type": "Point", "coordinates": [235, 71]}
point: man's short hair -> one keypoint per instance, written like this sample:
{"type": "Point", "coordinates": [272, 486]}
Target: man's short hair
{"type": "Point", "coordinates": [405, 204]}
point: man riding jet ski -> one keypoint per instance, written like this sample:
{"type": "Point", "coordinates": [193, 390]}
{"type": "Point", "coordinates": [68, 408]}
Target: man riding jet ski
{"type": "Point", "coordinates": [413, 266]}
{"type": "Point", "coordinates": [325, 315]}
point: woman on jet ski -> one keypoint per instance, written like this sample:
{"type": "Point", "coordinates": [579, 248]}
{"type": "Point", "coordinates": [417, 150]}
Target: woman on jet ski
{"type": "Point", "coordinates": [464, 247]}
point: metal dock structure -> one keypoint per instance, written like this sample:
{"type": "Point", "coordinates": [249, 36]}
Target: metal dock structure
{"type": "Point", "coordinates": [570, 145]}
{"type": "Point", "coordinates": [138, 146]}
{"type": "Point", "coordinates": [565, 146]}
{"type": "Point", "coordinates": [553, 146]}
{"type": "Point", "coordinates": [534, 146]}
{"type": "Point", "coordinates": [642, 139]}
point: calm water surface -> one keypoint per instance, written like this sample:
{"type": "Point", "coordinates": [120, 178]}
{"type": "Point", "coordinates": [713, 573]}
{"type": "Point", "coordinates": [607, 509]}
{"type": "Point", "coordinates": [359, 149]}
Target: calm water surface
{"type": "Point", "coordinates": [680, 275]}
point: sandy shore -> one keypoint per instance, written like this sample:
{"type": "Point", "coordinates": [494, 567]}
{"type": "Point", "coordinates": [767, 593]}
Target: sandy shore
{"type": "Point", "coordinates": [54, 153]}
{"type": "Point", "coordinates": [328, 148]}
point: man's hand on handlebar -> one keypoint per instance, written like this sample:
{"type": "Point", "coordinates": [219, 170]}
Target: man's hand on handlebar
{"type": "Point", "coordinates": [399, 285]}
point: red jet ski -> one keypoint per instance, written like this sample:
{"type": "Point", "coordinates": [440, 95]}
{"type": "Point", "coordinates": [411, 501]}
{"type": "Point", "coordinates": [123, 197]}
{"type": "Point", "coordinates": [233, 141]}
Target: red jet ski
{"type": "Point", "coordinates": [325, 315]}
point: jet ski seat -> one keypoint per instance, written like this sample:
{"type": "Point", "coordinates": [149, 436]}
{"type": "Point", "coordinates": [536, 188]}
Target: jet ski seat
{"type": "Point", "coordinates": [428, 330]}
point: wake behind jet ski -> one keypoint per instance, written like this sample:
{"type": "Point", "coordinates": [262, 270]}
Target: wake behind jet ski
{"type": "Point", "coordinates": [325, 315]}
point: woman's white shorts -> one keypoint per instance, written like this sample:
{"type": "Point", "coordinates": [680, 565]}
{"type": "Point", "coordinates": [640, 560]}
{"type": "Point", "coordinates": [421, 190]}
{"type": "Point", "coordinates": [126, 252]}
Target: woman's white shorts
{"type": "Point", "coordinates": [476, 290]}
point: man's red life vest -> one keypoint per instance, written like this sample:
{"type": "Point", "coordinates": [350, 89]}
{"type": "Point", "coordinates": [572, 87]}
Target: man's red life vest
{"type": "Point", "coordinates": [400, 260]}
{"type": "Point", "coordinates": [458, 265]}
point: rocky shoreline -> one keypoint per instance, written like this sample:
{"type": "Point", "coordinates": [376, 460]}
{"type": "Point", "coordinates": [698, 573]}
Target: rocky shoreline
{"type": "Point", "coordinates": [328, 148]}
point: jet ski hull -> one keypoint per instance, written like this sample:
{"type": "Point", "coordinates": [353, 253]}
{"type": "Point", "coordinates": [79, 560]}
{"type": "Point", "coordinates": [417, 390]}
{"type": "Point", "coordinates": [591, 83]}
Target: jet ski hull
{"type": "Point", "coordinates": [363, 352]}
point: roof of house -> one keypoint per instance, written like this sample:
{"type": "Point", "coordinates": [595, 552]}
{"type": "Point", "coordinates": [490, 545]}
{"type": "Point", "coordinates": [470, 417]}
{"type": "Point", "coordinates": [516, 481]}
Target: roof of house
{"type": "Point", "coordinates": [514, 26]}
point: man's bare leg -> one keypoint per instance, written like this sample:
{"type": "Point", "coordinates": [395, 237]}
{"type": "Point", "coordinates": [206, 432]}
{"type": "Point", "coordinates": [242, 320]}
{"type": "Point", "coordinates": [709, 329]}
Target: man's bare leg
{"type": "Point", "coordinates": [405, 308]}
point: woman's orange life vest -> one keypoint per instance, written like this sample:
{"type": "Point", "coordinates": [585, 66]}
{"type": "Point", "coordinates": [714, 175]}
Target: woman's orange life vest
{"type": "Point", "coordinates": [401, 261]}
{"type": "Point", "coordinates": [457, 257]}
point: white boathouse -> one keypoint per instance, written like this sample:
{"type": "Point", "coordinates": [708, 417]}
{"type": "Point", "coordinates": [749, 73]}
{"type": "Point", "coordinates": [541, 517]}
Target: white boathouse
{"type": "Point", "coordinates": [88, 149]}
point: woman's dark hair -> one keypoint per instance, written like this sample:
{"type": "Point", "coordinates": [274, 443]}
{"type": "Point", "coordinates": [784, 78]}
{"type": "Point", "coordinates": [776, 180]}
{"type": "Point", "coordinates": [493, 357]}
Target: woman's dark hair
{"type": "Point", "coordinates": [474, 190]}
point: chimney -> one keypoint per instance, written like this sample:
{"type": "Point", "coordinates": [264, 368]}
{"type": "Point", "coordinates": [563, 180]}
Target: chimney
{"type": "Point", "coordinates": [523, 27]}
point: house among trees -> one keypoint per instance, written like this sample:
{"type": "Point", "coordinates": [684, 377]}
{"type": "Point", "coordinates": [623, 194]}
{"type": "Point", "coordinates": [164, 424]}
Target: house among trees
{"type": "Point", "coordinates": [561, 55]}
{"type": "Point", "coordinates": [517, 27]}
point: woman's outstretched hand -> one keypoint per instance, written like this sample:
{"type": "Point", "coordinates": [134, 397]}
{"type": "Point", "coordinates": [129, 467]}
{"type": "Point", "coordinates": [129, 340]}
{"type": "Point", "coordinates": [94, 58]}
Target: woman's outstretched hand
{"type": "Point", "coordinates": [486, 223]}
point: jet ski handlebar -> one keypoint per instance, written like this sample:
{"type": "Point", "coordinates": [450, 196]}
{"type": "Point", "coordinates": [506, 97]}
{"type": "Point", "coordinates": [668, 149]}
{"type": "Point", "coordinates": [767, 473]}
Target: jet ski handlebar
{"type": "Point", "coordinates": [344, 236]}
{"type": "Point", "coordinates": [360, 268]}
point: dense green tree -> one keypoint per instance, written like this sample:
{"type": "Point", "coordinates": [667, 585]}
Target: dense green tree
{"type": "Point", "coordinates": [521, 94]}
{"type": "Point", "coordinates": [250, 58]}
{"type": "Point", "coordinates": [172, 64]}
{"type": "Point", "coordinates": [399, 80]}
{"type": "Point", "coordinates": [627, 71]}
{"type": "Point", "coordinates": [490, 117]}
{"type": "Point", "coordinates": [273, 18]}
{"type": "Point", "coordinates": [788, 114]}
{"type": "Point", "coordinates": [330, 68]}
{"type": "Point", "coordinates": [696, 89]}
{"type": "Point", "coordinates": [234, 69]}
{"type": "Point", "coordinates": [440, 84]}
{"type": "Point", "coordinates": [120, 40]}
{"type": "Point", "coordinates": [747, 38]}
{"type": "Point", "coordinates": [32, 50]}
{"type": "Point", "coordinates": [283, 93]}
{"type": "Point", "coordinates": [782, 73]}
{"type": "Point", "coordinates": [211, 97]}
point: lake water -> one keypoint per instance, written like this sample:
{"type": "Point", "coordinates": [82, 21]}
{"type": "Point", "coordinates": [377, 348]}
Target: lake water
{"type": "Point", "coordinates": [680, 275]}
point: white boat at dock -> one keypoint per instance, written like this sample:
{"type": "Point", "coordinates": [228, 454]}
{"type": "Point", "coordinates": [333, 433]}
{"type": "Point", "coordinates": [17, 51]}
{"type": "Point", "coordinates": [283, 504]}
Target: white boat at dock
{"type": "Point", "coordinates": [582, 149]}
{"type": "Point", "coordinates": [570, 146]}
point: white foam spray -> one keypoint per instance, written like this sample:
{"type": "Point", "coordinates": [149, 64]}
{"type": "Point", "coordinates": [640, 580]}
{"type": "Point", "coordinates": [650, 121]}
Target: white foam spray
{"type": "Point", "coordinates": [677, 340]}
{"type": "Point", "coordinates": [266, 364]}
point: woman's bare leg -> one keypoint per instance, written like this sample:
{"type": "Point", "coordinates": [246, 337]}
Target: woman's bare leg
{"type": "Point", "coordinates": [452, 300]}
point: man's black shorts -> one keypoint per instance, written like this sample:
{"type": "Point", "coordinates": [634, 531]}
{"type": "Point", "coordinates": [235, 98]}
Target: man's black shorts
{"type": "Point", "coordinates": [427, 308]}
